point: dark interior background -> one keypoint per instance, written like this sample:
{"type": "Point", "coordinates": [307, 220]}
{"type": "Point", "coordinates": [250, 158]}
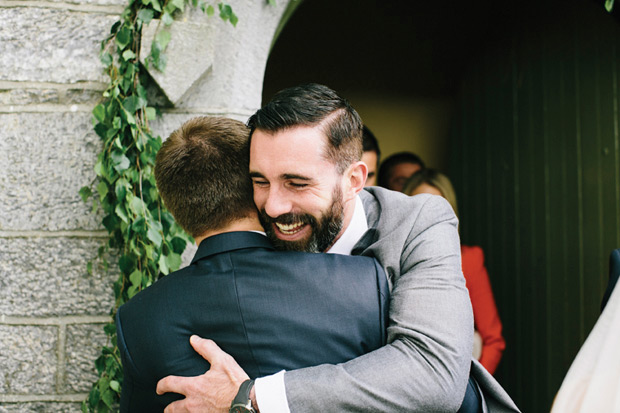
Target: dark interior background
{"type": "Point", "coordinates": [518, 102]}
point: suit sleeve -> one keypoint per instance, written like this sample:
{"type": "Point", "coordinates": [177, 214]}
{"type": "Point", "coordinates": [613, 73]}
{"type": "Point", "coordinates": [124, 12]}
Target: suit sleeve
{"type": "Point", "coordinates": [486, 317]}
{"type": "Point", "coordinates": [425, 366]}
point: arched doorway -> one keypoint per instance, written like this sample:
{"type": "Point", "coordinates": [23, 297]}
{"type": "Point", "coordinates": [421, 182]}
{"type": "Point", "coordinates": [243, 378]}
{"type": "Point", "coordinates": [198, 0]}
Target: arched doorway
{"type": "Point", "coordinates": [518, 103]}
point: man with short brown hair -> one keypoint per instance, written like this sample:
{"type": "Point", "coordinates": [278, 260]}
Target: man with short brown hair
{"type": "Point", "coordinates": [271, 310]}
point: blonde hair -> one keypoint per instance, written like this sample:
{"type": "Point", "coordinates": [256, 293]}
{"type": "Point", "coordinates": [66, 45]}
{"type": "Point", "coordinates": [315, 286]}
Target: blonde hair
{"type": "Point", "coordinates": [435, 179]}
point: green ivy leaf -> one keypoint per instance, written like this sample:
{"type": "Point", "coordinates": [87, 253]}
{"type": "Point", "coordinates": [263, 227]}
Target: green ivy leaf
{"type": "Point", "coordinates": [156, 5]}
{"type": "Point", "coordinates": [106, 59]}
{"type": "Point", "coordinates": [146, 15]}
{"type": "Point", "coordinates": [167, 18]}
{"type": "Point", "coordinates": [179, 4]}
{"type": "Point", "coordinates": [137, 206]}
{"type": "Point", "coordinates": [155, 237]}
{"type": "Point", "coordinates": [126, 263]}
{"type": "Point", "coordinates": [121, 213]}
{"type": "Point", "coordinates": [85, 193]}
{"type": "Point", "coordinates": [178, 245]}
{"type": "Point", "coordinates": [272, 2]}
{"type": "Point", "coordinates": [101, 130]}
{"type": "Point", "coordinates": [209, 10]}
{"type": "Point", "coordinates": [173, 261]}
{"type": "Point", "coordinates": [609, 5]}
{"type": "Point", "coordinates": [121, 188]}
{"type": "Point", "coordinates": [114, 385]}
{"type": "Point", "coordinates": [99, 112]}
{"type": "Point", "coordinates": [163, 265]}
{"type": "Point", "coordinates": [108, 398]}
{"type": "Point", "coordinates": [102, 189]}
{"type": "Point", "coordinates": [131, 104]}
{"type": "Point", "coordinates": [128, 117]}
{"type": "Point", "coordinates": [136, 278]}
{"type": "Point", "coordinates": [119, 161]}
{"type": "Point", "coordinates": [151, 113]}
{"type": "Point", "coordinates": [139, 225]}
{"type": "Point", "coordinates": [226, 13]}
{"type": "Point", "coordinates": [123, 37]}
{"type": "Point", "coordinates": [128, 55]}
{"type": "Point", "coordinates": [163, 38]}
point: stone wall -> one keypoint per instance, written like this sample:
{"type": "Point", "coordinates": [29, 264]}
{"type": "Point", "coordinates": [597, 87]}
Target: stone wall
{"type": "Point", "coordinates": [52, 311]}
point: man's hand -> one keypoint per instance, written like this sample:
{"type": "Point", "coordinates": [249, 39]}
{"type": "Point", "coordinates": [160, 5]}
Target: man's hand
{"type": "Point", "coordinates": [210, 392]}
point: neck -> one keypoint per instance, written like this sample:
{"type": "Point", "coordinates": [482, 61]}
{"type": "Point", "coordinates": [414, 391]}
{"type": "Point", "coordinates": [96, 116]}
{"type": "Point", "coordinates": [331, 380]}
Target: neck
{"type": "Point", "coordinates": [250, 223]}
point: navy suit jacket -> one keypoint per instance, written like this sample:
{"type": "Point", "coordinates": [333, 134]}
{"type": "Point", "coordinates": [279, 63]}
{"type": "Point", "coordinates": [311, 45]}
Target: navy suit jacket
{"type": "Point", "coordinates": [270, 310]}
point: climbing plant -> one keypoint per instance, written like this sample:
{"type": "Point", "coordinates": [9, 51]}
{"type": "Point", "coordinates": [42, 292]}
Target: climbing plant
{"type": "Point", "coordinates": [143, 236]}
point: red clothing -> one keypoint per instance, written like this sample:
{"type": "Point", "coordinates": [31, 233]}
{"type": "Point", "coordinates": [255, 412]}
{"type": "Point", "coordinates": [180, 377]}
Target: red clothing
{"type": "Point", "coordinates": [486, 318]}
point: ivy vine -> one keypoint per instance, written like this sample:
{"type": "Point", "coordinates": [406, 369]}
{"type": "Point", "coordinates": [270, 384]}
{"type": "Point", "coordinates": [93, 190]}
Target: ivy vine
{"type": "Point", "coordinates": [142, 234]}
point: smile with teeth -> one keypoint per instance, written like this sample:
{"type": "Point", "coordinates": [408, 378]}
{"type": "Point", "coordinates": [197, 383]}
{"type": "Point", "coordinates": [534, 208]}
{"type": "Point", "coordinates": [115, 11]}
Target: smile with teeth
{"type": "Point", "coordinates": [290, 229]}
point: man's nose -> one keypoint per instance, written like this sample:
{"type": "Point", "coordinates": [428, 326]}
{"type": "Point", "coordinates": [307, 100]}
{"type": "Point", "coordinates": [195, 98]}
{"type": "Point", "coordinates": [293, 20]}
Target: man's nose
{"type": "Point", "coordinates": [278, 202]}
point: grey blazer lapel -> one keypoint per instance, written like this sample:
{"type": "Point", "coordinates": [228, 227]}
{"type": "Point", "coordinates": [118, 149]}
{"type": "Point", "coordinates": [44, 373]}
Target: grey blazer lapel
{"type": "Point", "coordinates": [372, 210]}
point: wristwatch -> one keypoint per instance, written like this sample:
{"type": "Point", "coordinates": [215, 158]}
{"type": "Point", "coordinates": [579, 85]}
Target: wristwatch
{"type": "Point", "coordinates": [242, 403]}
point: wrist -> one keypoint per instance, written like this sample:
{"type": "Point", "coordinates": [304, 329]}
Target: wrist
{"type": "Point", "coordinates": [242, 402]}
{"type": "Point", "coordinates": [253, 399]}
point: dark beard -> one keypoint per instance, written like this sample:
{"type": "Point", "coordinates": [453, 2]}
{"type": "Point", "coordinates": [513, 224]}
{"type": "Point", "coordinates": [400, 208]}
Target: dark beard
{"type": "Point", "coordinates": [323, 234]}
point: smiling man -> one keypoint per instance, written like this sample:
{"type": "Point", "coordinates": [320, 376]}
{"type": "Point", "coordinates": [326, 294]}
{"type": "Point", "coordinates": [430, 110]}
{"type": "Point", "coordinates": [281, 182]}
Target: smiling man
{"type": "Point", "coordinates": [305, 151]}
{"type": "Point", "coordinates": [301, 203]}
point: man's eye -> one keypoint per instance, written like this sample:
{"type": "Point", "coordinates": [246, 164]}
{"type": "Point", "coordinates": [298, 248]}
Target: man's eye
{"type": "Point", "coordinates": [260, 183]}
{"type": "Point", "coordinates": [296, 185]}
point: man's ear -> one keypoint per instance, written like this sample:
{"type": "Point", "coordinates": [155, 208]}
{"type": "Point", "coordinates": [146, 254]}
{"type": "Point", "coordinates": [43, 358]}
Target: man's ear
{"type": "Point", "coordinates": [355, 179]}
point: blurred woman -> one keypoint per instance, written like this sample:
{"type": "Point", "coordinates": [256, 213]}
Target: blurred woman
{"type": "Point", "coordinates": [489, 343]}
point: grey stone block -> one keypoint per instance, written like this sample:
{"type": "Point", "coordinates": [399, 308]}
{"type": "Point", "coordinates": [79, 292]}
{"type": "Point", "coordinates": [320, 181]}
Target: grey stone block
{"type": "Point", "coordinates": [46, 159]}
{"type": "Point", "coordinates": [93, 2]}
{"type": "Point", "coordinates": [48, 277]}
{"type": "Point", "coordinates": [40, 407]}
{"type": "Point", "coordinates": [240, 56]}
{"type": "Point", "coordinates": [83, 96]}
{"type": "Point", "coordinates": [83, 347]}
{"type": "Point", "coordinates": [52, 45]}
{"type": "Point", "coordinates": [189, 54]}
{"type": "Point", "coordinates": [28, 96]}
{"type": "Point", "coordinates": [28, 359]}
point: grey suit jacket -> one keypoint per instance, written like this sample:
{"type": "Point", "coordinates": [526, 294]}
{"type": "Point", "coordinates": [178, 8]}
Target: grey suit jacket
{"type": "Point", "coordinates": [425, 365]}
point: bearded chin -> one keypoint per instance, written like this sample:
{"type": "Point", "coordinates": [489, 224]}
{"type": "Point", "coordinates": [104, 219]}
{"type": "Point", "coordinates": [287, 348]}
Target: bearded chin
{"type": "Point", "coordinates": [324, 231]}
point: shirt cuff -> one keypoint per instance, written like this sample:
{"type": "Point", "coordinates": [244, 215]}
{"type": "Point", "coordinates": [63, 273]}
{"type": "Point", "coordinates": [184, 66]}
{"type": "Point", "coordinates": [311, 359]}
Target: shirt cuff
{"type": "Point", "coordinates": [271, 394]}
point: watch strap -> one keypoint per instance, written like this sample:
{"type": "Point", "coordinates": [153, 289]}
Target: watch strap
{"type": "Point", "coordinates": [242, 399]}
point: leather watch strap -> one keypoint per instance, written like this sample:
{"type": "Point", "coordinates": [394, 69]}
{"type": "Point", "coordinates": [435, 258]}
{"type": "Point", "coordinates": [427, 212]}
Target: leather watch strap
{"type": "Point", "coordinates": [242, 399]}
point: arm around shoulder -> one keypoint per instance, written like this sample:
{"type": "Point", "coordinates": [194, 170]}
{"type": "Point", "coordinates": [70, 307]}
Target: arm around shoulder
{"type": "Point", "coordinates": [426, 364]}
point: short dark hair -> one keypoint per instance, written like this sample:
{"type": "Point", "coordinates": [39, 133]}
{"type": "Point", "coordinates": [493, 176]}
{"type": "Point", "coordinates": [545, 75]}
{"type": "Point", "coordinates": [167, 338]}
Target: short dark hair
{"type": "Point", "coordinates": [310, 105]}
{"type": "Point", "coordinates": [202, 174]}
{"type": "Point", "coordinates": [385, 170]}
{"type": "Point", "coordinates": [369, 142]}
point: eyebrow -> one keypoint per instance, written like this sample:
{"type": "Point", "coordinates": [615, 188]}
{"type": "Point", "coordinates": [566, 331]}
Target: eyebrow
{"type": "Point", "coordinates": [283, 176]}
{"type": "Point", "coordinates": [294, 176]}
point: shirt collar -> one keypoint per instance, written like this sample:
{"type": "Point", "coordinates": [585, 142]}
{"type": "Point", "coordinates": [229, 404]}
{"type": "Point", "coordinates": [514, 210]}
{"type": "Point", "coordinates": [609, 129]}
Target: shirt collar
{"type": "Point", "coordinates": [357, 227]}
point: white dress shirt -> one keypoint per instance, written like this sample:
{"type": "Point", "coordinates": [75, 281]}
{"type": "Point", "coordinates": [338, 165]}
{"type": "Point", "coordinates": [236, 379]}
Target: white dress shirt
{"type": "Point", "coordinates": [270, 390]}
